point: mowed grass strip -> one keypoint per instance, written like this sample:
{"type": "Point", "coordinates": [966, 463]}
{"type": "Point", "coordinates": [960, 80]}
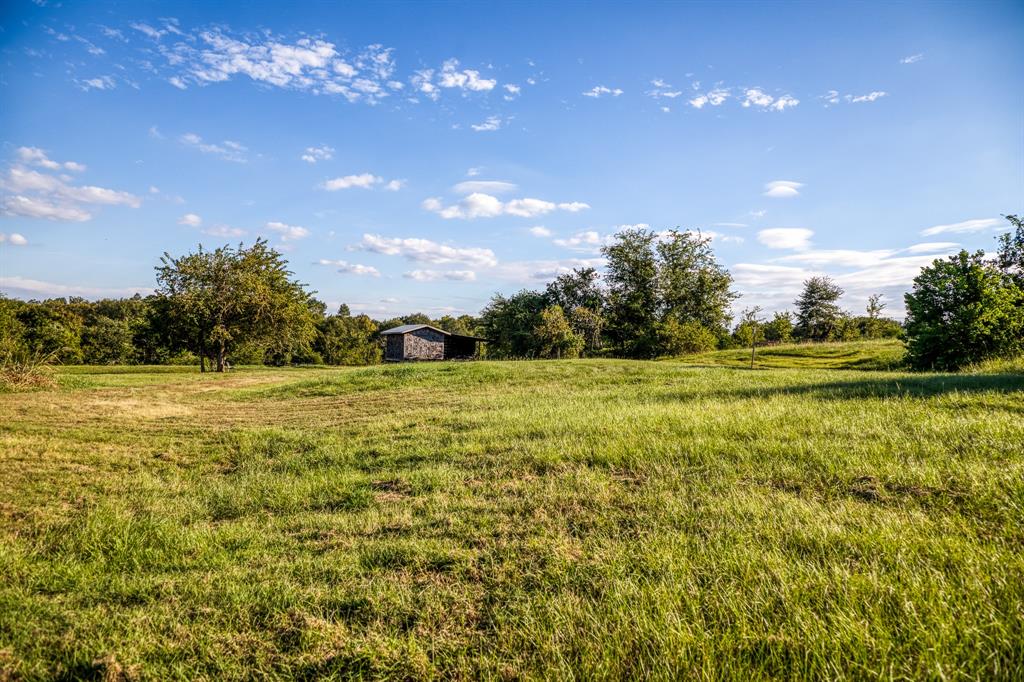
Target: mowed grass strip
{"type": "Point", "coordinates": [574, 519]}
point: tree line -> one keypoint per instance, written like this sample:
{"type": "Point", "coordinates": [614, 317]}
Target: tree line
{"type": "Point", "coordinates": [662, 294]}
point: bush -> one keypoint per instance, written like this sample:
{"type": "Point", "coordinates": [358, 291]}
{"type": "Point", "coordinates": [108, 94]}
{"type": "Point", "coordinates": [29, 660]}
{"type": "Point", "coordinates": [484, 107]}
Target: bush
{"type": "Point", "coordinates": [675, 338]}
{"type": "Point", "coordinates": [963, 310]}
{"type": "Point", "coordinates": [21, 370]}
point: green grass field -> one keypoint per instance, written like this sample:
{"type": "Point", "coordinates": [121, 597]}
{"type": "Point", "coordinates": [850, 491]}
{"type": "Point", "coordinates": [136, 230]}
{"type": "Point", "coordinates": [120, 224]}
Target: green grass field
{"type": "Point", "coordinates": [592, 519]}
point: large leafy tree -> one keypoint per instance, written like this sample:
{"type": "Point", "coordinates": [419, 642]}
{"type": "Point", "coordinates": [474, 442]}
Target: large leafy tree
{"type": "Point", "coordinates": [555, 338]}
{"type": "Point", "coordinates": [345, 339]}
{"type": "Point", "coordinates": [693, 286]}
{"type": "Point", "coordinates": [1010, 254]}
{"type": "Point", "coordinates": [580, 288]}
{"type": "Point", "coordinates": [508, 322]}
{"type": "Point", "coordinates": [963, 309]}
{"type": "Point", "coordinates": [632, 278]}
{"type": "Point", "coordinates": [817, 311]}
{"type": "Point", "coordinates": [224, 298]}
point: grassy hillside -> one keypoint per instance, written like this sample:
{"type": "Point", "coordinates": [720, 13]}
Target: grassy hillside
{"type": "Point", "coordinates": [588, 519]}
{"type": "Point", "coordinates": [885, 354]}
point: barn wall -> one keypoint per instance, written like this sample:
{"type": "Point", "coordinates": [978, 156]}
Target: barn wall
{"type": "Point", "coordinates": [424, 344]}
{"type": "Point", "coordinates": [394, 349]}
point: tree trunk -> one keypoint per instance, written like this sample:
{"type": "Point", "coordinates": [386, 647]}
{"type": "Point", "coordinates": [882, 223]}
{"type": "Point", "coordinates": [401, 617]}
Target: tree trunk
{"type": "Point", "coordinates": [202, 355]}
{"type": "Point", "coordinates": [220, 356]}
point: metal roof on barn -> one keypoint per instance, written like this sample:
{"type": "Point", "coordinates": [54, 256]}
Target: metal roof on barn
{"type": "Point", "coordinates": [406, 328]}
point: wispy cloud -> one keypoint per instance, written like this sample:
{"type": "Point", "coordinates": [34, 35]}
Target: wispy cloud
{"type": "Point", "coordinates": [33, 194]}
{"type": "Point", "coordinates": [964, 227]}
{"type": "Point", "coordinates": [346, 268]}
{"type": "Point", "coordinates": [287, 232]}
{"type": "Point", "coordinates": [490, 186]}
{"type": "Point", "coordinates": [490, 124]}
{"type": "Point", "coordinates": [362, 181]}
{"type": "Point", "coordinates": [434, 275]}
{"type": "Point", "coordinates": [480, 205]}
{"type": "Point", "coordinates": [782, 189]}
{"type": "Point", "coordinates": [758, 98]}
{"type": "Point", "coordinates": [601, 91]}
{"type": "Point", "coordinates": [786, 237]}
{"type": "Point", "coordinates": [661, 89]}
{"type": "Point", "coordinates": [190, 219]}
{"type": "Point", "coordinates": [314, 154]}
{"type": "Point", "coordinates": [227, 150]}
{"type": "Point", "coordinates": [35, 288]}
{"type": "Point", "coordinates": [714, 98]}
{"type": "Point", "coordinates": [14, 239]}
{"type": "Point", "coordinates": [427, 251]}
{"type": "Point", "coordinates": [912, 59]}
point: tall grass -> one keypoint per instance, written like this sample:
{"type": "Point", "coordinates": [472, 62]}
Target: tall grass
{"type": "Point", "coordinates": [21, 369]}
{"type": "Point", "coordinates": [524, 520]}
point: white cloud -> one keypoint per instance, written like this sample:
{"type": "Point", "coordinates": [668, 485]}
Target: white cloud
{"type": "Point", "coordinates": [38, 195]}
{"type": "Point", "coordinates": [849, 258]}
{"type": "Point", "coordinates": [870, 97]}
{"type": "Point", "coordinates": [363, 180]}
{"type": "Point", "coordinates": [41, 208]}
{"type": "Point", "coordinates": [473, 172]}
{"type": "Point", "coordinates": [34, 288]}
{"type": "Point", "coordinates": [481, 205]}
{"type": "Point", "coordinates": [227, 150]}
{"type": "Point", "coordinates": [512, 91]}
{"type": "Point", "coordinates": [730, 225]}
{"type": "Point", "coordinates": [601, 90]}
{"type": "Point", "coordinates": [782, 189]}
{"type": "Point", "coordinates": [531, 271]}
{"type": "Point", "coordinates": [487, 186]}
{"type": "Point", "coordinates": [715, 98]}
{"type": "Point", "coordinates": [34, 156]}
{"type": "Point", "coordinates": [785, 101]}
{"type": "Point", "coordinates": [540, 231]}
{"type": "Point", "coordinates": [434, 275]}
{"type": "Point", "coordinates": [190, 219]}
{"type": "Point", "coordinates": [586, 240]}
{"type": "Point", "coordinates": [467, 79]}
{"type": "Point", "coordinates": [528, 207]}
{"type": "Point", "coordinates": [346, 268]}
{"type": "Point", "coordinates": [14, 238]}
{"type": "Point", "coordinates": [933, 247]}
{"type": "Point", "coordinates": [98, 83]}
{"type": "Point", "coordinates": [786, 237]}
{"type": "Point", "coordinates": [394, 185]}
{"type": "Point", "coordinates": [224, 231]}
{"type": "Point", "coordinates": [476, 205]}
{"type": "Point", "coordinates": [427, 251]}
{"type": "Point", "coordinates": [912, 59]}
{"type": "Point", "coordinates": [759, 98]}
{"type": "Point", "coordinates": [492, 123]}
{"type": "Point", "coordinates": [315, 65]}
{"type": "Point", "coordinates": [860, 273]}
{"type": "Point", "coordinates": [314, 154]}
{"type": "Point", "coordinates": [965, 227]}
{"type": "Point", "coordinates": [287, 232]}
{"type": "Point", "coordinates": [662, 89]}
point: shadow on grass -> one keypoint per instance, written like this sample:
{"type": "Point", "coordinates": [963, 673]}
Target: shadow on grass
{"type": "Point", "coordinates": [904, 386]}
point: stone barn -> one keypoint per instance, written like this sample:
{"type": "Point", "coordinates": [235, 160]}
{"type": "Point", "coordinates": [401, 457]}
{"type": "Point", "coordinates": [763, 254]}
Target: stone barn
{"type": "Point", "coordinates": [423, 342]}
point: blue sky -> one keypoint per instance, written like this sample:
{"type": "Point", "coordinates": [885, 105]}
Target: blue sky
{"type": "Point", "coordinates": [420, 157]}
